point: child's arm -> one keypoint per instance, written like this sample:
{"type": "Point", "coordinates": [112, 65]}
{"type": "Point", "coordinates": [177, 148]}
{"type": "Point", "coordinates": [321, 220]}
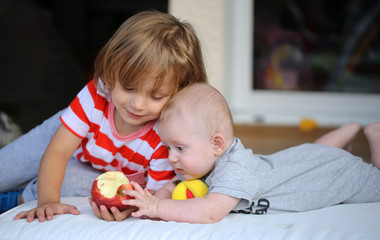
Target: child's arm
{"type": "Point", "coordinates": [50, 177]}
{"type": "Point", "coordinates": [209, 209]}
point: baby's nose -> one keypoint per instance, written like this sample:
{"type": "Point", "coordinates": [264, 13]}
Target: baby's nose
{"type": "Point", "coordinates": [172, 158]}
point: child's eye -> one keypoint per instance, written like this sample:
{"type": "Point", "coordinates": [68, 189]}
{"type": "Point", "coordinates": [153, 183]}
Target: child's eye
{"type": "Point", "coordinates": [129, 89]}
{"type": "Point", "coordinates": [160, 96]}
{"type": "Point", "coordinates": [180, 149]}
{"type": "Point", "coordinates": [157, 97]}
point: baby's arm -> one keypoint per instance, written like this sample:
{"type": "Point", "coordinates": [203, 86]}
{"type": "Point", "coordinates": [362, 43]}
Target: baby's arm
{"type": "Point", "coordinates": [50, 177]}
{"type": "Point", "coordinates": [166, 191]}
{"type": "Point", "coordinates": [209, 209]}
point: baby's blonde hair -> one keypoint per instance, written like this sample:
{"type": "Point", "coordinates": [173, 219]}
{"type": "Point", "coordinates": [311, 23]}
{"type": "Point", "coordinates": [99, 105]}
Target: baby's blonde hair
{"type": "Point", "coordinates": [204, 105]}
{"type": "Point", "coordinates": [155, 43]}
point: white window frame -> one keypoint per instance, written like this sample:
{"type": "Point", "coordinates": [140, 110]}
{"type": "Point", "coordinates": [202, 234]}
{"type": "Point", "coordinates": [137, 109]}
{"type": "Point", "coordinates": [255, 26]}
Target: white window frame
{"type": "Point", "coordinates": [281, 107]}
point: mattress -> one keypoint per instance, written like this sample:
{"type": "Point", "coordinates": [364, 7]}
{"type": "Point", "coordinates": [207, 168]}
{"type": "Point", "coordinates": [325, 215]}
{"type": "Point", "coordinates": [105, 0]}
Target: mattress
{"type": "Point", "coordinates": [346, 221]}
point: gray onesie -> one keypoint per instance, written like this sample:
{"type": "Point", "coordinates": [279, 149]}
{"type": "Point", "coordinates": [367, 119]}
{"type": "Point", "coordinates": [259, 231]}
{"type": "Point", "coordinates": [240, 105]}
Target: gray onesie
{"type": "Point", "coordinates": [301, 178]}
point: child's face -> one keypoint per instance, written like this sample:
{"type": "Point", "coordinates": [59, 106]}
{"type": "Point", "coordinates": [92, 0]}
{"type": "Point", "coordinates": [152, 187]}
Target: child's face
{"type": "Point", "coordinates": [136, 106]}
{"type": "Point", "coordinates": [191, 152]}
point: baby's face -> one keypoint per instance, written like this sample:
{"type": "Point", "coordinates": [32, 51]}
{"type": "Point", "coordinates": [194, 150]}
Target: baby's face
{"type": "Point", "coordinates": [191, 152]}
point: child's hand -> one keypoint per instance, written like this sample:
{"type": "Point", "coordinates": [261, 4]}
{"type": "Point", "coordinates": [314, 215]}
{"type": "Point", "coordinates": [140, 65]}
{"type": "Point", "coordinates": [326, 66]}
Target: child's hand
{"type": "Point", "coordinates": [144, 200]}
{"type": "Point", "coordinates": [115, 215]}
{"type": "Point", "coordinates": [47, 211]}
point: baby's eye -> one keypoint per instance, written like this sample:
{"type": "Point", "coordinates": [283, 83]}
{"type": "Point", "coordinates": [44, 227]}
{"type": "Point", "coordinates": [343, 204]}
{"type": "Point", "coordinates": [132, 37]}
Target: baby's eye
{"type": "Point", "coordinates": [129, 89]}
{"type": "Point", "coordinates": [180, 149]}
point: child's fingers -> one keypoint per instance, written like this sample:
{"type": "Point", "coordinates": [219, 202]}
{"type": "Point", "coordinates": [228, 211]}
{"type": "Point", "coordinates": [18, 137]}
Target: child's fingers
{"type": "Point", "coordinates": [49, 213]}
{"type": "Point", "coordinates": [73, 210]}
{"type": "Point", "coordinates": [21, 215]}
{"type": "Point", "coordinates": [95, 209]}
{"type": "Point", "coordinates": [106, 215]}
{"type": "Point", "coordinates": [30, 215]}
{"type": "Point", "coordinates": [40, 214]}
{"type": "Point", "coordinates": [101, 211]}
{"type": "Point", "coordinates": [120, 216]}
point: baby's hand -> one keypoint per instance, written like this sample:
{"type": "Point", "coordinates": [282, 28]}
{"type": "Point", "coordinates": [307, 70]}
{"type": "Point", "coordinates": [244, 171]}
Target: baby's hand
{"type": "Point", "coordinates": [144, 200]}
{"type": "Point", "coordinates": [47, 211]}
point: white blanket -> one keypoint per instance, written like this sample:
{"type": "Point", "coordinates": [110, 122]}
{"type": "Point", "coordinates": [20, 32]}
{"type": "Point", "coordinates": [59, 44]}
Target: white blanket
{"type": "Point", "coordinates": [348, 221]}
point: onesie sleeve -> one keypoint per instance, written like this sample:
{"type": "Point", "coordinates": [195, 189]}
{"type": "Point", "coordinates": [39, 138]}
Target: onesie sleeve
{"type": "Point", "coordinates": [233, 176]}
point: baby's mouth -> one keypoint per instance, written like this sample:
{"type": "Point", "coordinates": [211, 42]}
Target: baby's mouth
{"type": "Point", "coordinates": [180, 171]}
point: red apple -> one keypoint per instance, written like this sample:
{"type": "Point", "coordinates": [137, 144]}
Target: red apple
{"type": "Point", "coordinates": [107, 190]}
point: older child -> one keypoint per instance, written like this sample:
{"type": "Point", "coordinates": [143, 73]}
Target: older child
{"type": "Point", "coordinates": [113, 119]}
{"type": "Point", "coordinates": [196, 126]}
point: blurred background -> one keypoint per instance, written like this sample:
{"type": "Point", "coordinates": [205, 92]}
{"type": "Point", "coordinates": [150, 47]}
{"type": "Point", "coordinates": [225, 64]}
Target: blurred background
{"type": "Point", "coordinates": [276, 61]}
{"type": "Point", "coordinates": [47, 48]}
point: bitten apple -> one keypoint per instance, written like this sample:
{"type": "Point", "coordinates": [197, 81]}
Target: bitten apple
{"type": "Point", "coordinates": [107, 190]}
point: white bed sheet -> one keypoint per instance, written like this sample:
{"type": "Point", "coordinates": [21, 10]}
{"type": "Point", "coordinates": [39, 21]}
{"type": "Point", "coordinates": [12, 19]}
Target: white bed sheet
{"type": "Point", "coordinates": [354, 221]}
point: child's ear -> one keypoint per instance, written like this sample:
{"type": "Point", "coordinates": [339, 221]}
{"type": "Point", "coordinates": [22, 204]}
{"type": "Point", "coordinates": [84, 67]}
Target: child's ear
{"type": "Point", "coordinates": [218, 144]}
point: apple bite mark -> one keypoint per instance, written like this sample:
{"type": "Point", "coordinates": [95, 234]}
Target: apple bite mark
{"type": "Point", "coordinates": [107, 190]}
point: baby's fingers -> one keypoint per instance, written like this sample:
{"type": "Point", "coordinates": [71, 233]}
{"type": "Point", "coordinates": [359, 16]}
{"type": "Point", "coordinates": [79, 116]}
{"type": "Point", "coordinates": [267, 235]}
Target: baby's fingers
{"type": "Point", "coordinates": [95, 208]}
{"type": "Point", "coordinates": [137, 187]}
{"type": "Point", "coordinates": [131, 202]}
{"type": "Point", "coordinates": [138, 214]}
{"type": "Point", "coordinates": [138, 193]}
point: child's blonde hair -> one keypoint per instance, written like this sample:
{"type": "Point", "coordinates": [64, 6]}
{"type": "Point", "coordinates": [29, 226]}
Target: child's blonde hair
{"type": "Point", "coordinates": [155, 43]}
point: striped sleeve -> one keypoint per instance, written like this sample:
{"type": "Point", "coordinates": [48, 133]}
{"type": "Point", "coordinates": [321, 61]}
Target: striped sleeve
{"type": "Point", "coordinates": [77, 116]}
{"type": "Point", "coordinates": [160, 170]}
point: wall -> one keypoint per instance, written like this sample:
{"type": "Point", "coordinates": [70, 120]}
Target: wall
{"type": "Point", "coordinates": [207, 17]}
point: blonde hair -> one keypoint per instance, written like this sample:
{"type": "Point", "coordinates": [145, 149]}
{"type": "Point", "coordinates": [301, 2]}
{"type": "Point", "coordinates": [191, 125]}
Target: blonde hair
{"type": "Point", "coordinates": [206, 106]}
{"type": "Point", "coordinates": [155, 43]}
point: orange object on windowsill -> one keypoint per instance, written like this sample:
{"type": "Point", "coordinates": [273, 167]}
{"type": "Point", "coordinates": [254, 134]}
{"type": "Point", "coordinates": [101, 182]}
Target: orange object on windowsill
{"type": "Point", "coordinates": [307, 125]}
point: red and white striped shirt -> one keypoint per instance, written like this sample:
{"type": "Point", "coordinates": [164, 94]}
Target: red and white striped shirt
{"type": "Point", "coordinates": [90, 116]}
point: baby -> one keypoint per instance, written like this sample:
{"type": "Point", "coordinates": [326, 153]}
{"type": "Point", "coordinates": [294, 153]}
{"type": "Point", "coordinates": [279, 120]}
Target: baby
{"type": "Point", "coordinates": [197, 128]}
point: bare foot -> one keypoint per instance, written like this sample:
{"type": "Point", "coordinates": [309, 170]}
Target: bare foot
{"type": "Point", "coordinates": [341, 137]}
{"type": "Point", "coordinates": [372, 133]}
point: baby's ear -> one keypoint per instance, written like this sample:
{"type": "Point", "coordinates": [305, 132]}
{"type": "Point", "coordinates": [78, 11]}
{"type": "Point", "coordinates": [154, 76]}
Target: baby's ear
{"type": "Point", "coordinates": [218, 144]}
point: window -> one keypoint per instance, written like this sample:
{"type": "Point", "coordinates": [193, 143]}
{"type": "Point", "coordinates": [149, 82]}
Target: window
{"type": "Point", "coordinates": [304, 59]}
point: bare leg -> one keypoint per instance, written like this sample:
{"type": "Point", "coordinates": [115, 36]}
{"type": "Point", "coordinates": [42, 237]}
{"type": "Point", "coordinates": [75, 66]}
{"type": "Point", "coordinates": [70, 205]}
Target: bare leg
{"type": "Point", "coordinates": [372, 133]}
{"type": "Point", "coordinates": [341, 137]}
